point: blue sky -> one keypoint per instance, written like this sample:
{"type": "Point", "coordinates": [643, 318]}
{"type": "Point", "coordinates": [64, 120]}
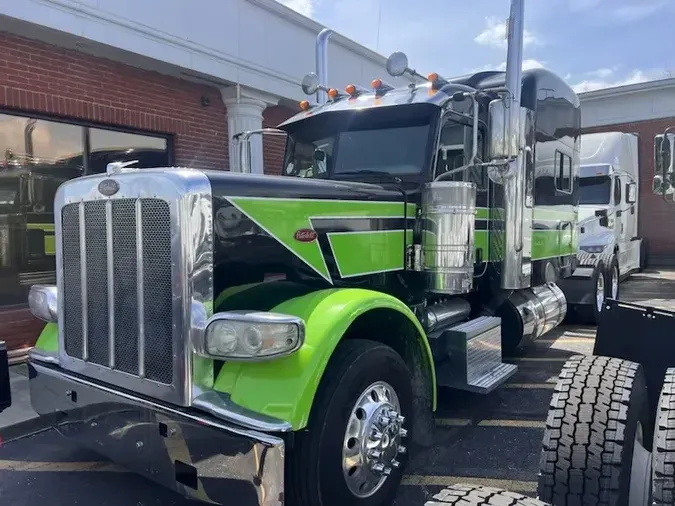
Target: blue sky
{"type": "Point", "coordinates": [591, 43]}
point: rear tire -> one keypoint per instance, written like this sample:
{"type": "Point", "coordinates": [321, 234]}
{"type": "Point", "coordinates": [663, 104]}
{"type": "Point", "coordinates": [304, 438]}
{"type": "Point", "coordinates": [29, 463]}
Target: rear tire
{"type": "Point", "coordinates": [598, 412]}
{"type": "Point", "coordinates": [328, 465]}
{"type": "Point", "coordinates": [474, 495]}
{"type": "Point", "coordinates": [663, 463]}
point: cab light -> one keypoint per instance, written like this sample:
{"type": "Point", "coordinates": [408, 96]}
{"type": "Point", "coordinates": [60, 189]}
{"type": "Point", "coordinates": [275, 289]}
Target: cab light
{"type": "Point", "coordinates": [252, 336]}
{"type": "Point", "coordinates": [304, 105]}
{"type": "Point", "coordinates": [350, 90]}
{"type": "Point", "coordinates": [376, 83]}
{"type": "Point", "coordinates": [333, 93]}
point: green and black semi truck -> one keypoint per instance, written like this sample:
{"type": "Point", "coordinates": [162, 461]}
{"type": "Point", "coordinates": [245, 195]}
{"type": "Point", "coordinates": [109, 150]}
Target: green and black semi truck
{"type": "Point", "coordinates": [248, 339]}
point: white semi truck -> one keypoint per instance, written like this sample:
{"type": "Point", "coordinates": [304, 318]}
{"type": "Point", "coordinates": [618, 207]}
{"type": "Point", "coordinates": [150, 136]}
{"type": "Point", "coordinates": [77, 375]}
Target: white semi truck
{"type": "Point", "coordinates": [610, 248]}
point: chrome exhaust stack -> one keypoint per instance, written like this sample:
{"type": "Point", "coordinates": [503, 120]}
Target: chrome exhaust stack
{"type": "Point", "coordinates": [322, 63]}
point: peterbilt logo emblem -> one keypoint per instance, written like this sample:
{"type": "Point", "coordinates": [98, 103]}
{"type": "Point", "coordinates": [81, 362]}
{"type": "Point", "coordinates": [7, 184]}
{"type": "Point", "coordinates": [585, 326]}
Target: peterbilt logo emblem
{"type": "Point", "coordinates": [305, 235]}
{"type": "Point", "coordinates": [108, 187]}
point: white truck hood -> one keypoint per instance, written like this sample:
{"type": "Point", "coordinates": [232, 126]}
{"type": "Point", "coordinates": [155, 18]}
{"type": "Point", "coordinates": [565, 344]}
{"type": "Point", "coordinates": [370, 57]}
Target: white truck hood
{"type": "Point", "coordinates": [591, 233]}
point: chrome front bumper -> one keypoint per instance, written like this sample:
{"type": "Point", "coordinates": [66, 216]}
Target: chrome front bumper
{"type": "Point", "coordinates": [191, 453]}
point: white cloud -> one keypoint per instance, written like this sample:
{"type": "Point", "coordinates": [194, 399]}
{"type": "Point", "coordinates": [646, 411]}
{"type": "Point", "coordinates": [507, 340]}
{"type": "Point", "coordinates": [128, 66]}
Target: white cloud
{"type": "Point", "coordinates": [528, 64]}
{"type": "Point", "coordinates": [494, 35]}
{"type": "Point", "coordinates": [602, 73]}
{"type": "Point", "coordinates": [304, 7]}
{"type": "Point", "coordinates": [637, 11]}
{"type": "Point", "coordinates": [635, 77]}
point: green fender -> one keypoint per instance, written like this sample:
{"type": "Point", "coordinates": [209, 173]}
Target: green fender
{"type": "Point", "coordinates": [49, 338]}
{"type": "Point", "coordinates": [285, 388]}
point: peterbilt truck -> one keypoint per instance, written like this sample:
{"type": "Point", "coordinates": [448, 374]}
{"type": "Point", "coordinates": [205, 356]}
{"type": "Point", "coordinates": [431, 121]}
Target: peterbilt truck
{"type": "Point", "coordinates": [610, 248]}
{"type": "Point", "coordinates": [249, 339]}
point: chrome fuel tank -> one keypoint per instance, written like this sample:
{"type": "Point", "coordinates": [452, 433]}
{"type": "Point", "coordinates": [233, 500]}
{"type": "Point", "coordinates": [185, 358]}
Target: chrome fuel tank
{"type": "Point", "coordinates": [448, 218]}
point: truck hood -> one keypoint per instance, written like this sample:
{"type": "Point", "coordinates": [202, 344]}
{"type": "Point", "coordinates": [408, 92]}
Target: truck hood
{"type": "Point", "coordinates": [587, 212]}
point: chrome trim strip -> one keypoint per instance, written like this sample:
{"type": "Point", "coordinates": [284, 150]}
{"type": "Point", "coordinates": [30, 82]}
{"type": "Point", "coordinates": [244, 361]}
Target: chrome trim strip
{"type": "Point", "coordinates": [188, 194]}
{"type": "Point", "coordinates": [111, 286]}
{"type": "Point", "coordinates": [220, 406]}
{"type": "Point", "coordinates": [43, 356]}
{"type": "Point", "coordinates": [140, 290]}
{"type": "Point", "coordinates": [83, 283]}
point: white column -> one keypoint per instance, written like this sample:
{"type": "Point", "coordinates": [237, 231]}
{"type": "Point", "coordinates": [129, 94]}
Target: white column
{"type": "Point", "coordinates": [245, 112]}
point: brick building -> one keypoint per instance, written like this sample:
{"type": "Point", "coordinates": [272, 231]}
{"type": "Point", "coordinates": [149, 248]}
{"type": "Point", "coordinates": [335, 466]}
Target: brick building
{"type": "Point", "coordinates": [61, 107]}
{"type": "Point", "coordinates": [645, 109]}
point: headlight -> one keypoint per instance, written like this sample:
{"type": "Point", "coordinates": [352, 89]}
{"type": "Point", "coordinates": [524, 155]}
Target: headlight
{"type": "Point", "coordinates": [593, 249]}
{"type": "Point", "coordinates": [252, 335]}
{"type": "Point", "coordinates": [42, 301]}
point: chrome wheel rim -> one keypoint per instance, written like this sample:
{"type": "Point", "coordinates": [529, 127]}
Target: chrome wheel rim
{"type": "Point", "coordinates": [641, 472]}
{"type": "Point", "coordinates": [372, 440]}
{"type": "Point", "coordinates": [600, 291]}
{"type": "Point", "coordinates": [615, 282]}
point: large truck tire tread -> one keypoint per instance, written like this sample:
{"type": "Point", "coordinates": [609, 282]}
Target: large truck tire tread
{"type": "Point", "coordinates": [314, 464]}
{"type": "Point", "coordinates": [475, 495]}
{"type": "Point", "coordinates": [590, 433]}
{"type": "Point", "coordinates": [663, 456]}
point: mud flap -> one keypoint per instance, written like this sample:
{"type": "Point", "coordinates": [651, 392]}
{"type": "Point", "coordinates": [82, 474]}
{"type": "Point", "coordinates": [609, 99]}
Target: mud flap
{"type": "Point", "coordinates": [5, 391]}
{"type": "Point", "coordinates": [640, 334]}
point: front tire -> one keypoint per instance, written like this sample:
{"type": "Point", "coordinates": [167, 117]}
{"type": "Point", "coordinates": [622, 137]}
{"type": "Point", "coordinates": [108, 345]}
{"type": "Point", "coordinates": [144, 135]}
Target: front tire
{"type": "Point", "coordinates": [353, 451]}
{"type": "Point", "coordinates": [663, 477]}
{"type": "Point", "coordinates": [593, 450]}
{"type": "Point", "coordinates": [613, 280]}
{"type": "Point", "coordinates": [590, 313]}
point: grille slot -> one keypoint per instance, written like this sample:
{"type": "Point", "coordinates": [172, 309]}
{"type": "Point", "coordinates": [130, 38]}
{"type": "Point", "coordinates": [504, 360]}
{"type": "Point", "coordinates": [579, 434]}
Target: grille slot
{"type": "Point", "coordinates": [118, 305]}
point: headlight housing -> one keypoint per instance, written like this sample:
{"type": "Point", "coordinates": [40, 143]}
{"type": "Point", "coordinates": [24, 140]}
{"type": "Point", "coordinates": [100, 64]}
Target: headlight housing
{"type": "Point", "coordinates": [252, 336]}
{"type": "Point", "coordinates": [43, 302]}
{"type": "Point", "coordinates": [593, 249]}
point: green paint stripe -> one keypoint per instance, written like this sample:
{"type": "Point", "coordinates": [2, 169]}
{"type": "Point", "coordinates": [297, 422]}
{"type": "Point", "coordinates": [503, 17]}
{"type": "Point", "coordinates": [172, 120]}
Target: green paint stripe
{"type": "Point", "coordinates": [367, 253]}
{"type": "Point", "coordinates": [552, 215]}
{"type": "Point", "coordinates": [47, 227]}
{"type": "Point", "coordinates": [50, 245]}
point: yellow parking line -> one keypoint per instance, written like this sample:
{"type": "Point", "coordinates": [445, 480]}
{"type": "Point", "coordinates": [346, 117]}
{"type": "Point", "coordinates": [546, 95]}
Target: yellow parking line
{"type": "Point", "coordinates": [463, 422]}
{"type": "Point", "coordinates": [69, 467]}
{"type": "Point", "coordinates": [446, 481]}
{"type": "Point", "coordinates": [530, 386]}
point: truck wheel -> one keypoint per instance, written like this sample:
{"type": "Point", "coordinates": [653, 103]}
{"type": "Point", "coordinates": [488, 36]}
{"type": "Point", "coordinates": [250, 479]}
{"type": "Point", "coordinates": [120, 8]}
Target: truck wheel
{"type": "Point", "coordinates": [597, 429]}
{"type": "Point", "coordinates": [473, 495]}
{"type": "Point", "coordinates": [663, 477]}
{"type": "Point", "coordinates": [590, 314]}
{"type": "Point", "coordinates": [352, 451]}
{"type": "Point", "coordinates": [613, 280]}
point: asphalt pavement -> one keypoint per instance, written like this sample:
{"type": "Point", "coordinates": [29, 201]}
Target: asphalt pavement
{"type": "Point", "coordinates": [491, 440]}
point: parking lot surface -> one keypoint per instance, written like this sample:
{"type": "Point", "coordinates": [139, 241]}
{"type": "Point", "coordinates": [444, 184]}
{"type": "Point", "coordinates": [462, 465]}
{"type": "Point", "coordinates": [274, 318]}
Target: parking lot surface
{"type": "Point", "coordinates": [491, 440]}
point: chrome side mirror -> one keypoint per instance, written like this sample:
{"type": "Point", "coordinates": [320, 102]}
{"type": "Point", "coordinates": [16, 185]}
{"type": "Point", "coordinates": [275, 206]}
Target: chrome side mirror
{"type": "Point", "coordinates": [663, 164]}
{"type": "Point", "coordinates": [503, 130]}
{"type": "Point", "coordinates": [631, 193]}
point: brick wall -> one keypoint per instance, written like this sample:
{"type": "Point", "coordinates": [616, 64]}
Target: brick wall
{"type": "Point", "coordinates": [656, 220]}
{"type": "Point", "coordinates": [273, 145]}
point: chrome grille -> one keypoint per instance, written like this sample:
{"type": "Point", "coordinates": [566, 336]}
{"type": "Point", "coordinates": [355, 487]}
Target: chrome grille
{"type": "Point", "coordinates": [117, 289]}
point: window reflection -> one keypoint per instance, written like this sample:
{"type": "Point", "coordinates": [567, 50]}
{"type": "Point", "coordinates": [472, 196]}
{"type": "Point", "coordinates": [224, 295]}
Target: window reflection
{"type": "Point", "coordinates": [36, 157]}
{"type": "Point", "coordinates": [109, 146]}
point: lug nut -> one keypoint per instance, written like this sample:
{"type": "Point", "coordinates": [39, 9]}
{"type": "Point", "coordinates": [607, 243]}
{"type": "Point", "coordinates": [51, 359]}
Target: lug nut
{"type": "Point", "coordinates": [375, 454]}
{"type": "Point", "coordinates": [403, 433]}
{"type": "Point", "coordinates": [395, 464]}
{"type": "Point", "coordinates": [378, 468]}
{"type": "Point", "coordinates": [139, 444]}
{"type": "Point", "coordinates": [400, 419]}
{"type": "Point", "coordinates": [386, 471]}
{"type": "Point", "coordinates": [385, 420]}
{"type": "Point", "coordinates": [393, 414]}
{"type": "Point", "coordinates": [402, 450]}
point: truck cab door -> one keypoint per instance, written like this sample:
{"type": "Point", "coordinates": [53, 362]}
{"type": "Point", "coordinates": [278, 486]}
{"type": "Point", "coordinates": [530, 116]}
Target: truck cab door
{"type": "Point", "coordinates": [620, 217]}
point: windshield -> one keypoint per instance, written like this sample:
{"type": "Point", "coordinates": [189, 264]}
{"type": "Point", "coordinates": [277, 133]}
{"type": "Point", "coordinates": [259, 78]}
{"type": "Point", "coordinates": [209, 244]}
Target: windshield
{"type": "Point", "coordinates": [594, 190]}
{"type": "Point", "coordinates": [388, 141]}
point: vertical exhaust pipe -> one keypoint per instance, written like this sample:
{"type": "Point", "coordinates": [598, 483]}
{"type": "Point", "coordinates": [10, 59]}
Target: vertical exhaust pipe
{"type": "Point", "coordinates": [516, 267]}
{"type": "Point", "coordinates": [322, 63]}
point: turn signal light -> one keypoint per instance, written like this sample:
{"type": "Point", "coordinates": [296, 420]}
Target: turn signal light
{"type": "Point", "coordinates": [350, 89]}
{"type": "Point", "coordinates": [376, 83]}
{"type": "Point", "coordinates": [433, 77]}
{"type": "Point", "coordinates": [333, 93]}
{"type": "Point", "coordinates": [304, 105]}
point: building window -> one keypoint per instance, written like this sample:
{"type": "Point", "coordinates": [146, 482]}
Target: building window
{"type": "Point", "coordinates": [563, 172]}
{"type": "Point", "coordinates": [36, 157]}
